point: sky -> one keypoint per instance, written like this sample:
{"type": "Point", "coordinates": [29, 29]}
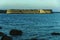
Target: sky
{"type": "Point", "coordinates": [30, 4]}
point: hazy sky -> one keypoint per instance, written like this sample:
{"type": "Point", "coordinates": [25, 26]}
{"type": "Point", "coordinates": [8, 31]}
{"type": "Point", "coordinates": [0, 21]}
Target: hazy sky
{"type": "Point", "coordinates": [30, 4]}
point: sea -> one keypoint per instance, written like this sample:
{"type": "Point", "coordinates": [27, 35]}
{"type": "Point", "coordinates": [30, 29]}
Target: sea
{"type": "Point", "coordinates": [38, 26]}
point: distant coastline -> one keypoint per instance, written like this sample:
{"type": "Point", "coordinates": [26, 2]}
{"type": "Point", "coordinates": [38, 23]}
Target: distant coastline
{"type": "Point", "coordinates": [27, 11]}
{"type": "Point", "coordinates": [3, 11]}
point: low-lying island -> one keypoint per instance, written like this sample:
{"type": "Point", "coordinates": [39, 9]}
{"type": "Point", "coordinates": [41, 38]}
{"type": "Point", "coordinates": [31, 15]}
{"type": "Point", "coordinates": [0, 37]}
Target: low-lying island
{"type": "Point", "coordinates": [26, 11]}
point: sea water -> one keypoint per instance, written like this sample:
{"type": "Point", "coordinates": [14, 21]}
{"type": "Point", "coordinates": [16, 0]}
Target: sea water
{"type": "Point", "coordinates": [33, 25]}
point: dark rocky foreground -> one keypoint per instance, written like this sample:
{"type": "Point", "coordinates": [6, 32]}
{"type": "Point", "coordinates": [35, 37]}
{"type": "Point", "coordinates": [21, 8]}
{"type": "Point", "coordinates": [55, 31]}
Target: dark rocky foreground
{"type": "Point", "coordinates": [6, 38]}
{"type": "Point", "coordinates": [30, 26]}
{"type": "Point", "coordinates": [15, 32]}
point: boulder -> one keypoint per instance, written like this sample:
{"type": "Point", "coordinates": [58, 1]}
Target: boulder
{"type": "Point", "coordinates": [6, 38]}
{"type": "Point", "coordinates": [43, 39]}
{"type": "Point", "coordinates": [2, 34]}
{"type": "Point", "coordinates": [34, 39]}
{"type": "Point", "coordinates": [0, 27]}
{"type": "Point", "coordinates": [15, 32]}
{"type": "Point", "coordinates": [55, 33]}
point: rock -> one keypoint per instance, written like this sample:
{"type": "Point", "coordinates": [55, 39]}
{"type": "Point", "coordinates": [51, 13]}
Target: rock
{"type": "Point", "coordinates": [55, 33]}
{"type": "Point", "coordinates": [2, 34]}
{"type": "Point", "coordinates": [0, 27]}
{"type": "Point", "coordinates": [6, 38]}
{"type": "Point", "coordinates": [33, 38]}
{"type": "Point", "coordinates": [42, 39]}
{"type": "Point", "coordinates": [15, 32]}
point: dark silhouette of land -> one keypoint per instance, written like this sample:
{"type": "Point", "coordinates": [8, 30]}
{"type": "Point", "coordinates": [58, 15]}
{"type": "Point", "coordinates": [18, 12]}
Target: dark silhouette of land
{"type": "Point", "coordinates": [55, 12]}
{"type": "Point", "coordinates": [3, 11]}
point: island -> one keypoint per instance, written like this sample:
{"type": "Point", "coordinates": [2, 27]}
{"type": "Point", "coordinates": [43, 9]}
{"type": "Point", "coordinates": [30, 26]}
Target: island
{"type": "Point", "coordinates": [27, 11]}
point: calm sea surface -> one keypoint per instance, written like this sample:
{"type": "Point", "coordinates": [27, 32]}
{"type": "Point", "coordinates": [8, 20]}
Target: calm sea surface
{"type": "Point", "coordinates": [33, 25]}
